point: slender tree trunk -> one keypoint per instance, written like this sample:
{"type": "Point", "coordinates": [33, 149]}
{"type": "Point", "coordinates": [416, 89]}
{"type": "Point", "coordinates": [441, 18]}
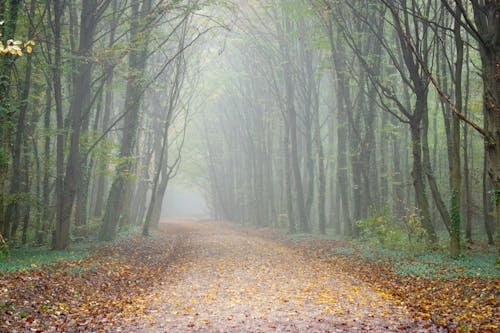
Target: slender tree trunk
{"type": "Point", "coordinates": [292, 228]}
{"type": "Point", "coordinates": [355, 154]}
{"type": "Point", "coordinates": [466, 144]}
{"type": "Point", "coordinates": [134, 93]}
{"type": "Point", "coordinates": [13, 210]}
{"type": "Point", "coordinates": [418, 180]}
{"type": "Point", "coordinates": [157, 190]}
{"type": "Point", "coordinates": [85, 191]}
{"type": "Point", "coordinates": [294, 149]}
{"type": "Point", "coordinates": [488, 28]}
{"type": "Point", "coordinates": [384, 178]}
{"type": "Point", "coordinates": [321, 176]}
{"type": "Point", "coordinates": [102, 180]}
{"type": "Point", "coordinates": [26, 190]}
{"type": "Point", "coordinates": [79, 115]}
{"type": "Point", "coordinates": [397, 181]}
{"type": "Point", "coordinates": [60, 239]}
{"type": "Point", "coordinates": [455, 169]}
{"type": "Point", "coordinates": [292, 116]}
{"type": "Point", "coordinates": [343, 106]}
{"type": "Point", "coordinates": [8, 15]}
{"type": "Point", "coordinates": [269, 176]}
{"type": "Point", "coordinates": [491, 79]}
{"type": "Point", "coordinates": [489, 225]}
{"type": "Point", "coordinates": [334, 207]}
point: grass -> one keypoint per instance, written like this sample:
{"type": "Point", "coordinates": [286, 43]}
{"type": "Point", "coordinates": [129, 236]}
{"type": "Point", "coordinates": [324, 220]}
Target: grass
{"type": "Point", "coordinates": [32, 258]}
{"type": "Point", "coordinates": [441, 266]}
{"type": "Point", "coordinates": [330, 235]}
{"type": "Point", "coordinates": [435, 264]}
{"type": "Point", "coordinates": [345, 251]}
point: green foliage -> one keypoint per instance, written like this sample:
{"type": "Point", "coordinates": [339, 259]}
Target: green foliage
{"type": "Point", "coordinates": [305, 236]}
{"type": "Point", "coordinates": [27, 198]}
{"type": "Point", "coordinates": [383, 229]}
{"type": "Point", "coordinates": [127, 232]}
{"type": "Point", "coordinates": [4, 249]}
{"type": "Point", "coordinates": [379, 229]}
{"type": "Point", "coordinates": [300, 236]}
{"type": "Point", "coordinates": [15, 47]}
{"type": "Point", "coordinates": [441, 266]}
{"type": "Point", "coordinates": [106, 153]}
{"type": "Point", "coordinates": [345, 251]}
{"type": "Point", "coordinates": [33, 258]}
{"type": "Point", "coordinates": [85, 232]}
{"type": "Point", "coordinates": [3, 156]}
{"type": "Point", "coordinates": [413, 226]}
{"type": "Point", "coordinates": [434, 265]}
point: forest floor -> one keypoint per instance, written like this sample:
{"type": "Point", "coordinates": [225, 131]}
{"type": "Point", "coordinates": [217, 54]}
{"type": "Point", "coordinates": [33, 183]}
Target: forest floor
{"type": "Point", "coordinates": [210, 277]}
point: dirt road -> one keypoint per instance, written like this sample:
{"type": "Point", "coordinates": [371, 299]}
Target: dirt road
{"type": "Point", "coordinates": [229, 280]}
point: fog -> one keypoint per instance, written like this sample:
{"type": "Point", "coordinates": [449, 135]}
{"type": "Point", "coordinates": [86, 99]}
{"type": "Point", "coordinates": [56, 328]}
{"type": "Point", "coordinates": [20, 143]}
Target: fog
{"type": "Point", "coordinates": [311, 116]}
{"type": "Point", "coordinates": [183, 202]}
{"type": "Point", "coordinates": [169, 139]}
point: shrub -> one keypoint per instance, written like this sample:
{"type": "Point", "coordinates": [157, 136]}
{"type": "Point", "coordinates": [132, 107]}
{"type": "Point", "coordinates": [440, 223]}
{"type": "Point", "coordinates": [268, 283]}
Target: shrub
{"type": "Point", "coordinates": [384, 229]}
{"type": "Point", "coordinates": [4, 248]}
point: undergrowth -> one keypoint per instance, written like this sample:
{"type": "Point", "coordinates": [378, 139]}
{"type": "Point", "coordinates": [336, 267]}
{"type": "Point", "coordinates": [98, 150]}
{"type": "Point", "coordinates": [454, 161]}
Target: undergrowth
{"type": "Point", "coordinates": [302, 236]}
{"type": "Point", "coordinates": [441, 266]}
{"type": "Point", "coordinates": [436, 264]}
{"type": "Point", "coordinates": [34, 258]}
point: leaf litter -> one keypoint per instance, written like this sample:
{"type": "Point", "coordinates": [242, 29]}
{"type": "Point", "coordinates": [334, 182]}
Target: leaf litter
{"type": "Point", "coordinates": [210, 277]}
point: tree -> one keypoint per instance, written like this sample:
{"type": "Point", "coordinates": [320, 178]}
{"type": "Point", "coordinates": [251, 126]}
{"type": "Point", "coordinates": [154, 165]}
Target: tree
{"type": "Point", "coordinates": [91, 13]}
{"type": "Point", "coordinates": [137, 65]}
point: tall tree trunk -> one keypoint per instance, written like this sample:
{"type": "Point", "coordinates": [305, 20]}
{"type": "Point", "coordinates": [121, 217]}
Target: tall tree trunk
{"type": "Point", "coordinates": [354, 152]}
{"type": "Point", "coordinates": [79, 117]}
{"type": "Point", "coordinates": [418, 180]}
{"type": "Point", "coordinates": [489, 224]}
{"type": "Point", "coordinates": [46, 211]}
{"type": "Point", "coordinates": [384, 178]}
{"type": "Point", "coordinates": [397, 181]}
{"type": "Point", "coordinates": [292, 118]}
{"type": "Point", "coordinates": [333, 201]}
{"type": "Point", "coordinates": [491, 84]}
{"type": "Point", "coordinates": [466, 144]}
{"type": "Point", "coordinates": [269, 176]}
{"type": "Point", "coordinates": [26, 190]}
{"type": "Point", "coordinates": [60, 238]}
{"type": "Point", "coordinates": [8, 15]}
{"type": "Point", "coordinates": [343, 106]}
{"type": "Point", "coordinates": [321, 176]}
{"type": "Point", "coordinates": [13, 209]}
{"type": "Point", "coordinates": [102, 180]}
{"type": "Point", "coordinates": [292, 227]}
{"type": "Point", "coordinates": [84, 195]}
{"type": "Point", "coordinates": [158, 189]}
{"type": "Point", "coordinates": [455, 168]}
{"type": "Point", "coordinates": [134, 93]}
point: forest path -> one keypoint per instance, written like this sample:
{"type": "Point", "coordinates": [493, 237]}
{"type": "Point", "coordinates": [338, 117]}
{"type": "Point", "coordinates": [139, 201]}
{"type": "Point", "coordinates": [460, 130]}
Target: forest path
{"type": "Point", "coordinates": [231, 280]}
